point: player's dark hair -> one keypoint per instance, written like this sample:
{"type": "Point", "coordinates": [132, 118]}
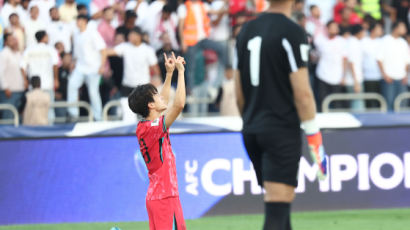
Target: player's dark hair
{"type": "Point", "coordinates": [35, 82]}
{"type": "Point", "coordinates": [40, 35]}
{"type": "Point", "coordinates": [140, 97]}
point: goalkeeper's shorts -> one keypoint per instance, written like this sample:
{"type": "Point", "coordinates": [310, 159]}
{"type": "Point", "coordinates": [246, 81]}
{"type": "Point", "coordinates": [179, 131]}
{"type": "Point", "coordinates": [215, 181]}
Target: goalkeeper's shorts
{"type": "Point", "coordinates": [275, 156]}
{"type": "Point", "coordinates": [165, 214]}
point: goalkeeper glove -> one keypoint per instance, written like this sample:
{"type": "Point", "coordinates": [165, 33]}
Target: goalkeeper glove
{"type": "Point", "coordinates": [315, 143]}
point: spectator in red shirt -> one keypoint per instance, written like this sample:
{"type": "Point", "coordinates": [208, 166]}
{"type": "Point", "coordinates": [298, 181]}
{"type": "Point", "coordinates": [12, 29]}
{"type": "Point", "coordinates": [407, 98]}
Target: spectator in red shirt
{"type": "Point", "coordinates": [340, 13]}
{"type": "Point", "coordinates": [349, 18]}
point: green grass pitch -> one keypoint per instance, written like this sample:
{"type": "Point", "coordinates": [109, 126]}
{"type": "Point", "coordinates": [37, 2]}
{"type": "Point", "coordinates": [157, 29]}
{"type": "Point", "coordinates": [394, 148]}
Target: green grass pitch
{"type": "Point", "coordinates": [383, 219]}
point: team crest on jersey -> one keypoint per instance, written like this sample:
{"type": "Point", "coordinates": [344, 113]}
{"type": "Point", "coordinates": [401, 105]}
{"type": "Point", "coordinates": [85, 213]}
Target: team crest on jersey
{"type": "Point", "coordinates": [155, 122]}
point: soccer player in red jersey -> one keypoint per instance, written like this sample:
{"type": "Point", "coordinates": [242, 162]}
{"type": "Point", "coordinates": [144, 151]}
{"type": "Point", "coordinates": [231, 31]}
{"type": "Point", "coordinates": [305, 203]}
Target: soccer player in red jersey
{"type": "Point", "coordinates": [162, 200]}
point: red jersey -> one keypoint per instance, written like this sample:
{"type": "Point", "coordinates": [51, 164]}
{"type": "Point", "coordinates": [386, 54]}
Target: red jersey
{"type": "Point", "coordinates": [153, 138]}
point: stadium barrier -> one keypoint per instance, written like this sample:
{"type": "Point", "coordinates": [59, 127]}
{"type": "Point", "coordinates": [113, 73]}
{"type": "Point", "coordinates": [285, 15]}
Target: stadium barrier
{"type": "Point", "coordinates": [398, 103]}
{"type": "Point", "coordinates": [107, 107]}
{"type": "Point", "coordinates": [80, 104]}
{"type": "Point", "coordinates": [16, 116]}
{"type": "Point", "coordinates": [104, 178]}
{"type": "Point", "coordinates": [354, 96]}
{"type": "Point", "coordinates": [190, 100]}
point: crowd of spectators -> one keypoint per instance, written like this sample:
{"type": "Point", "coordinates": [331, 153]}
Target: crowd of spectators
{"type": "Point", "coordinates": [98, 50]}
{"type": "Point", "coordinates": [362, 47]}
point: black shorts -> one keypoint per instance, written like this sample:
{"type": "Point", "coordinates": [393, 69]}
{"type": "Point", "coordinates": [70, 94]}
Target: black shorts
{"type": "Point", "coordinates": [276, 155]}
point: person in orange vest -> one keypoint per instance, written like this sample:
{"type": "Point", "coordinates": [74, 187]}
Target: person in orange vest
{"type": "Point", "coordinates": [194, 30]}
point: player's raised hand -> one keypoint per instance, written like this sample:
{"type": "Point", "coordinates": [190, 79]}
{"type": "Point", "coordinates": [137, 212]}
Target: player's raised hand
{"type": "Point", "coordinates": [179, 62]}
{"type": "Point", "coordinates": [169, 63]}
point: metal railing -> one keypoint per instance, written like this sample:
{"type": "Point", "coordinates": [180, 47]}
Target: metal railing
{"type": "Point", "coordinates": [80, 104]}
{"type": "Point", "coordinates": [107, 107]}
{"type": "Point", "coordinates": [197, 101]}
{"type": "Point", "coordinates": [193, 100]}
{"type": "Point", "coordinates": [399, 99]}
{"type": "Point", "coordinates": [354, 96]}
{"type": "Point", "coordinates": [116, 103]}
{"type": "Point", "coordinates": [13, 109]}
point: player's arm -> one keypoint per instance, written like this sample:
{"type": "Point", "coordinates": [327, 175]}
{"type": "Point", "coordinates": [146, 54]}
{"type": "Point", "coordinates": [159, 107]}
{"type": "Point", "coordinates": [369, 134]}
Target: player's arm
{"type": "Point", "coordinates": [406, 79]}
{"type": "Point", "coordinates": [350, 67]}
{"type": "Point", "coordinates": [23, 67]}
{"type": "Point", "coordinates": [357, 86]}
{"type": "Point", "coordinates": [344, 71]}
{"type": "Point", "coordinates": [55, 68]}
{"type": "Point", "coordinates": [179, 100]}
{"type": "Point", "coordinates": [303, 95]}
{"type": "Point", "coordinates": [297, 50]}
{"type": "Point", "coordinates": [56, 80]}
{"type": "Point", "coordinates": [111, 52]}
{"type": "Point", "coordinates": [103, 60]}
{"type": "Point", "coordinates": [306, 108]}
{"type": "Point", "coordinates": [240, 100]}
{"type": "Point", "coordinates": [380, 58]}
{"type": "Point", "coordinates": [100, 45]}
{"type": "Point", "coordinates": [170, 67]}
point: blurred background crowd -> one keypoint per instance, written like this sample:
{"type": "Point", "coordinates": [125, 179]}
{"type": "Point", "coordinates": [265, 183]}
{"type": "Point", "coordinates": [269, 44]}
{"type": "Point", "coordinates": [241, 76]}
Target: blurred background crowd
{"type": "Point", "coordinates": [99, 50]}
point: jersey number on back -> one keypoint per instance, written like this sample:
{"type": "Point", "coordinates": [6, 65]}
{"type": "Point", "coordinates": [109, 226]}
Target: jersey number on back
{"type": "Point", "coordinates": [254, 46]}
{"type": "Point", "coordinates": [144, 151]}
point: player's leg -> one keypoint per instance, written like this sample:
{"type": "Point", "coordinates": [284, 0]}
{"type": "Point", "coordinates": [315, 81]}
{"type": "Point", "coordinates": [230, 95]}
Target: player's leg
{"type": "Point", "coordinates": [179, 221]}
{"type": "Point", "coordinates": [276, 210]}
{"type": "Point", "coordinates": [280, 163]}
{"type": "Point", "coordinates": [74, 83]}
{"type": "Point", "coordinates": [161, 214]}
{"type": "Point", "coordinates": [151, 221]}
{"type": "Point", "coordinates": [93, 84]}
{"type": "Point", "coordinates": [255, 154]}
{"type": "Point", "coordinates": [278, 199]}
{"type": "Point", "coordinates": [278, 192]}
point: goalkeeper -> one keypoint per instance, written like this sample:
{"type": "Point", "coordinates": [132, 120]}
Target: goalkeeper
{"type": "Point", "coordinates": [275, 98]}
